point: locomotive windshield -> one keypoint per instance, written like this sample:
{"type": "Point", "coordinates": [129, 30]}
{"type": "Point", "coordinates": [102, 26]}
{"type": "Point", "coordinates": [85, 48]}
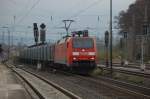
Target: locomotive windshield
{"type": "Point", "coordinates": [83, 43]}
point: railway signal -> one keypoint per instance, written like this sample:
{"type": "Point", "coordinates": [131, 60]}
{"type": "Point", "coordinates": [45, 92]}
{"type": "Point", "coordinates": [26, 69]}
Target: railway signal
{"type": "Point", "coordinates": [42, 33]}
{"type": "Point", "coordinates": [106, 44]}
{"type": "Point", "coordinates": [36, 32]}
{"type": "Point", "coordinates": [1, 50]}
{"type": "Point", "coordinates": [106, 38]}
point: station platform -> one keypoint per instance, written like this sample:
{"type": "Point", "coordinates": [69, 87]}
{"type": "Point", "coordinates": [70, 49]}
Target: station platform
{"type": "Point", "coordinates": [10, 86]}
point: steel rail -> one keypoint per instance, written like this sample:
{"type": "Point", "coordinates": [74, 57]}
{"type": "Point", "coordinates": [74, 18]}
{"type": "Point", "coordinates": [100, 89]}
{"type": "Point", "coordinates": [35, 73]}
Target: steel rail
{"type": "Point", "coordinates": [130, 72]}
{"type": "Point", "coordinates": [30, 85]}
{"type": "Point", "coordinates": [132, 65]}
{"type": "Point", "coordinates": [116, 84]}
{"type": "Point", "coordinates": [111, 83]}
{"type": "Point", "coordinates": [131, 88]}
{"type": "Point", "coordinates": [64, 91]}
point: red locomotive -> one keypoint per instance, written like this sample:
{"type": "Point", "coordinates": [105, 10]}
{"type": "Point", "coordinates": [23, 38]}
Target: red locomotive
{"type": "Point", "coordinates": [75, 52]}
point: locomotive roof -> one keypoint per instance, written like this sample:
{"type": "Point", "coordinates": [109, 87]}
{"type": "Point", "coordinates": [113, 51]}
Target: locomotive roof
{"type": "Point", "coordinates": [65, 39]}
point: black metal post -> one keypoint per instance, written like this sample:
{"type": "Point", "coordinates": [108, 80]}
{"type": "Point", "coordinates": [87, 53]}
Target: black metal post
{"type": "Point", "coordinates": [111, 36]}
{"type": "Point", "coordinates": [107, 47]}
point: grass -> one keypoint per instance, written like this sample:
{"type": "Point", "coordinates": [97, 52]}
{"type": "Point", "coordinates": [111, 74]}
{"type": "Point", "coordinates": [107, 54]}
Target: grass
{"type": "Point", "coordinates": [96, 72]}
{"type": "Point", "coordinates": [119, 76]}
{"type": "Point", "coordinates": [99, 71]}
{"type": "Point", "coordinates": [129, 78]}
{"type": "Point", "coordinates": [101, 54]}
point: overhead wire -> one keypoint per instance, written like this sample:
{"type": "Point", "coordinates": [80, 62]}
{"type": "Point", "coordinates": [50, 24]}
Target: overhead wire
{"type": "Point", "coordinates": [73, 16]}
{"type": "Point", "coordinates": [85, 9]}
{"type": "Point", "coordinates": [33, 6]}
{"type": "Point", "coordinates": [27, 13]}
{"type": "Point", "coordinates": [24, 8]}
{"type": "Point", "coordinates": [81, 11]}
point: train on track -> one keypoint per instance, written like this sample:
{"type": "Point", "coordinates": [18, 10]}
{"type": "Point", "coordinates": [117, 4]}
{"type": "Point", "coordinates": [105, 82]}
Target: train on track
{"type": "Point", "coordinates": [76, 52]}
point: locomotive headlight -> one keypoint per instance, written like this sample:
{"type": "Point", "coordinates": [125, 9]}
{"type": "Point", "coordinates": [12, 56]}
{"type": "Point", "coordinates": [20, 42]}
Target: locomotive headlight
{"type": "Point", "coordinates": [91, 53]}
{"type": "Point", "coordinates": [74, 58]}
{"type": "Point", "coordinates": [92, 58]}
{"type": "Point", "coordinates": [75, 53]}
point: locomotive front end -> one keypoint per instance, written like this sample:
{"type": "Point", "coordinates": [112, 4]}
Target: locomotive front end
{"type": "Point", "coordinates": [83, 52]}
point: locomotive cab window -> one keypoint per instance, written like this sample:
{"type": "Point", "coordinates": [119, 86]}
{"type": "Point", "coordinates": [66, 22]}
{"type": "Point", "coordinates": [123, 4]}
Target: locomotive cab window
{"type": "Point", "coordinates": [83, 43]}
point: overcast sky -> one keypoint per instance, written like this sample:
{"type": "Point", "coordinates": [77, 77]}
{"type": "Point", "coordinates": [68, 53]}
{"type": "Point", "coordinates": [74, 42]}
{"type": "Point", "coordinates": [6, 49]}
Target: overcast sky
{"type": "Point", "coordinates": [84, 12]}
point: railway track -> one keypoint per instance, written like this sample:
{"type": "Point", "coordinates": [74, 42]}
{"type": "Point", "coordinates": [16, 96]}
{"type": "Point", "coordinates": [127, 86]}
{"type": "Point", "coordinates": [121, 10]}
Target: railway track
{"type": "Point", "coordinates": [47, 89]}
{"type": "Point", "coordinates": [132, 65]}
{"type": "Point", "coordinates": [128, 88]}
{"type": "Point", "coordinates": [126, 71]}
{"type": "Point", "coordinates": [128, 91]}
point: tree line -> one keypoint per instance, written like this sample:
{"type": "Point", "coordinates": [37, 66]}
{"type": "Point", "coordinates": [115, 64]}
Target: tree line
{"type": "Point", "coordinates": [132, 20]}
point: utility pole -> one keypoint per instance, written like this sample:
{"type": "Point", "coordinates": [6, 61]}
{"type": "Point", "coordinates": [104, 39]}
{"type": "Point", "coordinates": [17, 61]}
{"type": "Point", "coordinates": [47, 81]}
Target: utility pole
{"type": "Point", "coordinates": [13, 29]}
{"type": "Point", "coordinates": [111, 36]}
{"type": "Point", "coordinates": [133, 37]}
{"type": "Point", "coordinates": [8, 43]}
{"type": "Point", "coordinates": [125, 47]}
{"type": "Point", "coordinates": [107, 47]}
{"type": "Point", "coordinates": [142, 51]}
{"type": "Point", "coordinates": [121, 48]}
{"type": "Point", "coordinates": [67, 27]}
{"type": "Point", "coordinates": [145, 33]}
